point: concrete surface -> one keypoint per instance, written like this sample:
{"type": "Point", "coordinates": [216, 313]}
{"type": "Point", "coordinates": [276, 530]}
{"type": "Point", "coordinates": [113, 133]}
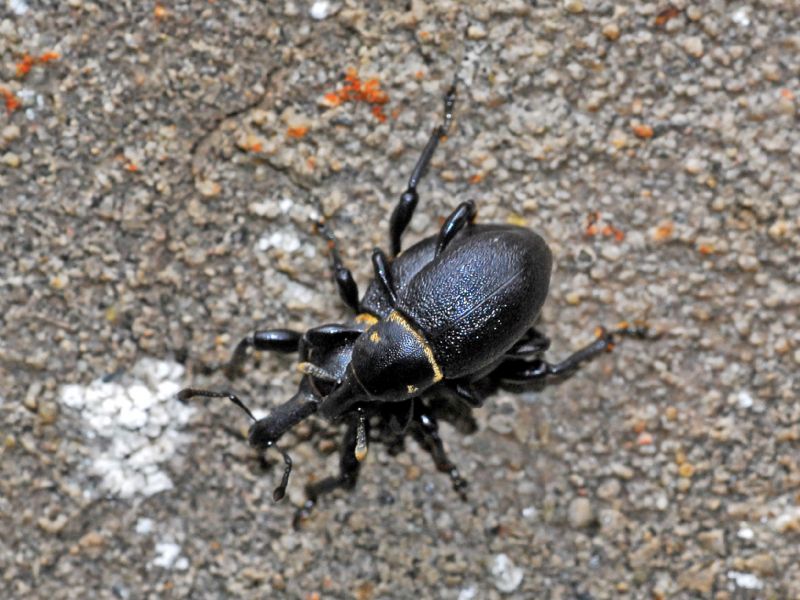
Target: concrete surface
{"type": "Point", "coordinates": [158, 179]}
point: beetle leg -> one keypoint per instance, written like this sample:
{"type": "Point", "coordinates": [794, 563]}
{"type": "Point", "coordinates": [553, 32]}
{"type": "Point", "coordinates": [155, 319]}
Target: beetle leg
{"type": "Point", "coordinates": [468, 394]}
{"type": "Point", "coordinates": [347, 286]}
{"type": "Point", "coordinates": [425, 430]}
{"type": "Point", "coordinates": [349, 467]}
{"type": "Point", "coordinates": [401, 216]}
{"type": "Point", "coordinates": [384, 275]}
{"type": "Point", "coordinates": [327, 337]}
{"type": "Point", "coordinates": [532, 344]}
{"type": "Point", "coordinates": [518, 370]}
{"type": "Point", "coordinates": [275, 340]}
{"type": "Point", "coordinates": [458, 219]}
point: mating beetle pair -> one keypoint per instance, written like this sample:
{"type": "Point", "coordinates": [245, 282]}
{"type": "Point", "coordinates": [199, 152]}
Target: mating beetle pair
{"type": "Point", "coordinates": [440, 325]}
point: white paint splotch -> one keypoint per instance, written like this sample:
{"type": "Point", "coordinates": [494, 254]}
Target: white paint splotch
{"type": "Point", "coordinates": [134, 422]}
{"type": "Point", "coordinates": [18, 7]}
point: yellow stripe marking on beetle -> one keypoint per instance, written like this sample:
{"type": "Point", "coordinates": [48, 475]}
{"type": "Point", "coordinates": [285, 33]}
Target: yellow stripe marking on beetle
{"type": "Point", "coordinates": [374, 337]}
{"type": "Point", "coordinates": [396, 317]}
{"type": "Point", "coordinates": [366, 319]}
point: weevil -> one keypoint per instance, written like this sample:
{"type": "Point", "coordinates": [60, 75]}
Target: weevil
{"type": "Point", "coordinates": [440, 326]}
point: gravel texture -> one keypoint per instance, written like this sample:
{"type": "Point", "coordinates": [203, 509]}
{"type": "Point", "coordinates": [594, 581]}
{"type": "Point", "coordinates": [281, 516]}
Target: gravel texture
{"type": "Point", "coordinates": [160, 165]}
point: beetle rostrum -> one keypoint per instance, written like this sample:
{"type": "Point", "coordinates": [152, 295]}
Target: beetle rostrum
{"type": "Point", "coordinates": [441, 325]}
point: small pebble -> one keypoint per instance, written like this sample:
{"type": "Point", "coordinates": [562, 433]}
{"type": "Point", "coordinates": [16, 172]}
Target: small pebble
{"type": "Point", "coordinates": [10, 132]}
{"type": "Point", "coordinates": [11, 160]}
{"type": "Point", "coordinates": [611, 31]}
{"type": "Point", "coordinates": [52, 525]}
{"type": "Point", "coordinates": [208, 188]}
{"type": "Point", "coordinates": [694, 166]}
{"type": "Point", "coordinates": [476, 32]}
{"type": "Point", "coordinates": [507, 576]}
{"type": "Point", "coordinates": [611, 252]}
{"type": "Point", "coordinates": [48, 412]}
{"type": "Point", "coordinates": [574, 6]}
{"type": "Point", "coordinates": [693, 46]}
{"type": "Point", "coordinates": [320, 10]}
{"type": "Point", "coordinates": [580, 513]}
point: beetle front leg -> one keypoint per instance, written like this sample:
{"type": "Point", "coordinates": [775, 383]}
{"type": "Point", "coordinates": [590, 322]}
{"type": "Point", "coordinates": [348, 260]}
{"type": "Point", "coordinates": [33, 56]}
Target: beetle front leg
{"type": "Point", "coordinates": [349, 467]}
{"type": "Point", "coordinates": [401, 216]}
{"type": "Point", "coordinates": [348, 289]}
{"type": "Point", "coordinates": [425, 430]}
{"type": "Point", "coordinates": [274, 340]}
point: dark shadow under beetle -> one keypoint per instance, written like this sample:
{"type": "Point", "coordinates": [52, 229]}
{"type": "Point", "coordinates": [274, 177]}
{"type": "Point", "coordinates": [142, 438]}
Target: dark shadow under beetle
{"type": "Point", "coordinates": [439, 328]}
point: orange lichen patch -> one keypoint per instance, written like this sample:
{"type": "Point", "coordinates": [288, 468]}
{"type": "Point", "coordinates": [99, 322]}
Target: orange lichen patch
{"type": "Point", "coordinates": [642, 131]}
{"type": "Point", "coordinates": [48, 56]}
{"type": "Point", "coordinates": [132, 167]}
{"type": "Point", "coordinates": [333, 99]}
{"type": "Point", "coordinates": [610, 230]}
{"type": "Point", "coordinates": [666, 15]}
{"type": "Point", "coordinates": [159, 12]}
{"type": "Point", "coordinates": [297, 132]}
{"type": "Point", "coordinates": [593, 227]}
{"type": "Point", "coordinates": [787, 94]}
{"type": "Point", "coordinates": [477, 178]}
{"type": "Point", "coordinates": [419, 75]}
{"type": "Point", "coordinates": [255, 147]}
{"type": "Point", "coordinates": [354, 90]}
{"type": "Point", "coordinates": [591, 224]}
{"type": "Point", "coordinates": [378, 113]}
{"type": "Point", "coordinates": [24, 66]}
{"type": "Point", "coordinates": [664, 231]}
{"type": "Point", "coordinates": [705, 249]}
{"type": "Point", "coordinates": [644, 439]}
{"type": "Point", "coordinates": [11, 101]}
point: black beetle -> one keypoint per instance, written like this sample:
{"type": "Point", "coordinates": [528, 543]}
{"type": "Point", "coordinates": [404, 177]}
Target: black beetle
{"type": "Point", "coordinates": [440, 326]}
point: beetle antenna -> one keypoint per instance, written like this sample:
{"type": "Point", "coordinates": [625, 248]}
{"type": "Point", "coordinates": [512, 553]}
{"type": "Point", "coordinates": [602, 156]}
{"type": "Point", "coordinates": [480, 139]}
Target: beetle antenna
{"type": "Point", "coordinates": [306, 368]}
{"type": "Point", "coordinates": [280, 491]}
{"type": "Point", "coordinates": [187, 393]}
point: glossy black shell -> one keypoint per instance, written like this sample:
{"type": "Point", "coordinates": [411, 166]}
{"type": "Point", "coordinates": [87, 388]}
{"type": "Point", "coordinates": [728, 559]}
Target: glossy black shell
{"type": "Point", "coordinates": [475, 300]}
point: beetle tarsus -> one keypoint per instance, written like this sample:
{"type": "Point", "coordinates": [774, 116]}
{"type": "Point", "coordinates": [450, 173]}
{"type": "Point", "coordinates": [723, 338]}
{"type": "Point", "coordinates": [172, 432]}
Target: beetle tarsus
{"type": "Point", "coordinates": [425, 429]}
{"type": "Point", "coordinates": [280, 491]}
{"type": "Point", "coordinates": [349, 467]}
